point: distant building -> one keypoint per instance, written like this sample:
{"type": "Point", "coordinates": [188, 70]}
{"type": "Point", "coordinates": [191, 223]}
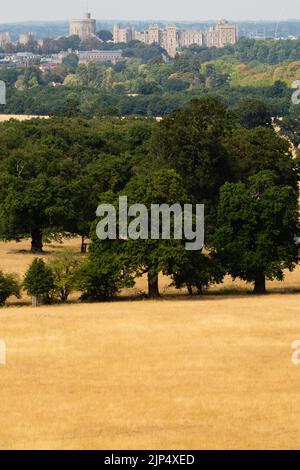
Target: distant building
{"type": "Point", "coordinates": [169, 40]}
{"type": "Point", "coordinates": [122, 34]}
{"type": "Point", "coordinates": [138, 36]}
{"type": "Point", "coordinates": [187, 37]}
{"type": "Point", "coordinates": [221, 34]}
{"type": "Point", "coordinates": [5, 39]}
{"type": "Point", "coordinates": [172, 39]}
{"type": "Point", "coordinates": [84, 28]}
{"type": "Point", "coordinates": [24, 39]}
{"type": "Point", "coordinates": [100, 56]}
{"type": "Point", "coordinates": [84, 57]}
{"type": "Point", "coordinates": [19, 59]}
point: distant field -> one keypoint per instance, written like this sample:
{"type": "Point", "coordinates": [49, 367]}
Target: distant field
{"type": "Point", "coordinates": [19, 117]}
{"type": "Point", "coordinates": [178, 373]}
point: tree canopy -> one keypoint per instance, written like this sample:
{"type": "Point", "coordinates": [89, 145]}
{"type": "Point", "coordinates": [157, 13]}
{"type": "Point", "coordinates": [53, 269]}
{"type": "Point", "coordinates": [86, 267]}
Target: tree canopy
{"type": "Point", "coordinates": [257, 226]}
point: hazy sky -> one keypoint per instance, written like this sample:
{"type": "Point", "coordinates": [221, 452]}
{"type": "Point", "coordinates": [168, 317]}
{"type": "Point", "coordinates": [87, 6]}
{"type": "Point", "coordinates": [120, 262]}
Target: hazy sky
{"type": "Point", "coordinates": [196, 10]}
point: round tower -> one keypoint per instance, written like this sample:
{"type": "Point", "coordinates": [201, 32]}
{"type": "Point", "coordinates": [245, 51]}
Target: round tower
{"type": "Point", "coordinates": [84, 28]}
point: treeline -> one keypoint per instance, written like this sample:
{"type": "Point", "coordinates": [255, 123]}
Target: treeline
{"type": "Point", "coordinates": [70, 100]}
{"type": "Point", "coordinates": [54, 173]}
{"type": "Point", "coordinates": [268, 51]}
{"type": "Point", "coordinates": [146, 84]}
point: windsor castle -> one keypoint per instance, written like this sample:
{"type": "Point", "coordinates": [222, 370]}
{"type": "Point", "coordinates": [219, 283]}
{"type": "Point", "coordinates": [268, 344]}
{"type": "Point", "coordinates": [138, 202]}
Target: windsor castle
{"type": "Point", "coordinates": [171, 38]}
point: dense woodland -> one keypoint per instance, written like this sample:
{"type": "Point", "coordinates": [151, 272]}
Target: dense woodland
{"type": "Point", "coordinates": [151, 84]}
{"type": "Point", "coordinates": [54, 173]}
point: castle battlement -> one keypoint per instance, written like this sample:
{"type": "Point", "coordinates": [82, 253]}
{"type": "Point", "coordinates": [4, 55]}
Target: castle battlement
{"type": "Point", "coordinates": [171, 38]}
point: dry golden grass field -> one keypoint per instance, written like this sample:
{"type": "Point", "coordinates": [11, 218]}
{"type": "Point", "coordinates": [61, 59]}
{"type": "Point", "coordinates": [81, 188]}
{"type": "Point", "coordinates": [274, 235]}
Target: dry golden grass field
{"type": "Point", "coordinates": [177, 373]}
{"type": "Point", "coordinates": [19, 117]}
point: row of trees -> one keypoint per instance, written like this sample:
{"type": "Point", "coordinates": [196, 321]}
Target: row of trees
{"type": "Point", "coordinates": [161, 85]}
{"type": "Point", "coordinates": [268, 51]}
{"type": "Point", "coordinates": [88, 102]}
{"type": "Point", "coordinates": [54, 173]}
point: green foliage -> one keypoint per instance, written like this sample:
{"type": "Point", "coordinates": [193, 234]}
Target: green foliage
{"type": "Point", "coordinates": [254, 150]}
{"type": "Point", "coordinates": [34, 185]}
{"type": "Point", "coordinates": [70, 63]}
{"type": "Point", "coordinates": [64, 267]}
{"type": "Point", "coordinates": [252, 113]}
{"type": "Point", "coordinates": [103, 274]}
{"type": "Point", "coordinates": [154, 256]}
{"type": "Point", "coordinates": [212, 77]}
{"type": "Point", "coordinates": [148, 83]}
{"type": "Point", "coordinates": [257, 225]}
{"type": "Point", "coordinates": [190, 141]}
{"type": "Point", "coordinates": [290, 126]}
{"type": "Point", "coordinates": [9, 285]}
{"type": "Point", "coordinates": [39, 280]}
{"type": "Point", "coordinates": [105, 35]}
{"type": "Point", "coordinates": [197, 271]}
{"type": "Point", "coordinates": [52, 172]}
{"type": "Point", "coordinates": [268, 51]}
{"type": "Point", "coordinates": [176, 85]}
{"type": "Point", "coordinates": [72, 105]}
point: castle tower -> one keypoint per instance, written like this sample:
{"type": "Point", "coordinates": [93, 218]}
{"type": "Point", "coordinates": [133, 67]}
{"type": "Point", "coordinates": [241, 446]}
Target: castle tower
{"type": "Point", "coordinates": [84, 28]}
{"type": "Point", "coordinates": [170, 40]}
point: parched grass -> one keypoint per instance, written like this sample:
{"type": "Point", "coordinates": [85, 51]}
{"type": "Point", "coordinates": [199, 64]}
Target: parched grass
{"type": "Point", "coordinates": [20, 117]}
{"type": "Point", "coordinates": [141, 375]}
{"type": "Point", "coordinates": [230, 290]}
{"type": "Point", "coordinates": [211, 372]}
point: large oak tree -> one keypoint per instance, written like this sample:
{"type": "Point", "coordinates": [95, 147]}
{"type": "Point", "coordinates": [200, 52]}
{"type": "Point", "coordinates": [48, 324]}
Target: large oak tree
{"type": "Point", "coordinates": [257, 226]}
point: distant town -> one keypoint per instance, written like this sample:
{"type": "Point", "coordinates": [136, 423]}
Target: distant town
{"type": "Point", "coordinates": [21, 53]}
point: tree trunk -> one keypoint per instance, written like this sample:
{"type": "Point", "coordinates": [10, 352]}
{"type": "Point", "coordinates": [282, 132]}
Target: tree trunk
{"type": "Point", "coordinates": [83, 245]}
{"type": "Point", "coordinates": [189, 289]}
{"type": "Point", "coordinates": [36, 300]}
{"type": "Point", "coordinates": [200, 289]}
{"type": "Point", "coordinates": [36, 241]}
{"type": "Point", "coordinates": [260, 284]}
{"type": "Point", "coordinates": [153, 290]}
{"type": "Point", "coordinates": [64, 296]}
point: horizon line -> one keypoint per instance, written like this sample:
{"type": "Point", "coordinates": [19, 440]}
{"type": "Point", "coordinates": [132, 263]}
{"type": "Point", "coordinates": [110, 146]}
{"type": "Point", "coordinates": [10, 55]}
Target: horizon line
{"type": "Point", "coordinates": [155, 20]}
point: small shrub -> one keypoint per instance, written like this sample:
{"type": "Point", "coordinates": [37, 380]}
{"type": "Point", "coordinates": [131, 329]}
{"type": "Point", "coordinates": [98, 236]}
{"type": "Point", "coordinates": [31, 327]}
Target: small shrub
{"type": "Point", "coordinates": [38, 281]}
{"type": "Point", "coordinates": [64, 269]}
{"type": "Point", "coordinates": [9, 285]}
